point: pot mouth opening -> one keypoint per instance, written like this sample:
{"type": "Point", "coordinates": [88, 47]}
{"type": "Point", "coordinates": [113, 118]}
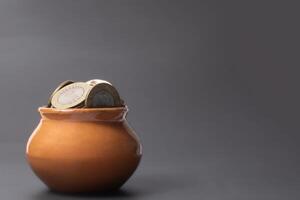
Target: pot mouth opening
{"type": "Point", "coordinates": [85, 114]}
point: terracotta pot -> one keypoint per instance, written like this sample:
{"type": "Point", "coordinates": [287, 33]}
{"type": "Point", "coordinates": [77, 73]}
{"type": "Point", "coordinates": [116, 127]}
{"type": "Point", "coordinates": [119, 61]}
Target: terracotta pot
{"type": "Point", "coordinates": [83, 150]}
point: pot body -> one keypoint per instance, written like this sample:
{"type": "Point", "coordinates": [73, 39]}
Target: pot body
{"type": "Point", "coordinates": [83, 150]}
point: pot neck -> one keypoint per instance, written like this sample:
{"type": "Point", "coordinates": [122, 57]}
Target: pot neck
{"type": "Point", "coordinates": [85, 114]}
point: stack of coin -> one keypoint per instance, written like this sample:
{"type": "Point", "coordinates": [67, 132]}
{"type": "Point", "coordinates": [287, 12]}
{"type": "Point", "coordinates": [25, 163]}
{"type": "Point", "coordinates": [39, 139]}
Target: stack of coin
{"type": "Point", "coordinates": [94, 93]}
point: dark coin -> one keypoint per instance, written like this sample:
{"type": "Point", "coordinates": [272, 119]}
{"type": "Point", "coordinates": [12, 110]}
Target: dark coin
{"type": "Point", "coordinates": [103, 95]}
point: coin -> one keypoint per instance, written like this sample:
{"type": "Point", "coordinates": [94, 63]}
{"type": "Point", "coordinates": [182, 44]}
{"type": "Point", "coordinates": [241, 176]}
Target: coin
{"type": "Point", "coordinates": [103, 95]}
{"type": "Point", "coordinates": [94, 82]}
{"type": "Point", "coordinates": [81, 105]}
{"type": "Point", "coordinates": [71, 95]}
{"type": "Point", "coordinates": [61, 85]}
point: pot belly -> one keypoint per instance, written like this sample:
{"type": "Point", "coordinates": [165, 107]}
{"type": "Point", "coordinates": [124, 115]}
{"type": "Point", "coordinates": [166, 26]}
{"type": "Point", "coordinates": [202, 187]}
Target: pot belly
{"type": "Point", "coordinates": [89, 175]}
{"type": "Point", "coordinates": [83, 157]}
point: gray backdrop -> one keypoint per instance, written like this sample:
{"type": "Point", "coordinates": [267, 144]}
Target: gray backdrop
{"type": "Point", "coordinates": [212, 87]}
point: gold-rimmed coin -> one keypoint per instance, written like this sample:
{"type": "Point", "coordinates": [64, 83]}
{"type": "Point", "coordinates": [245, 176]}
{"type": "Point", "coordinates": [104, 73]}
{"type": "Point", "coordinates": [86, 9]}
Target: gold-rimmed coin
{"type": "Point", "coordinates": [61, 85]}
{"type": "Point", "coordinates": [103, 95]}
{"type": "Point", "coordinates": [71, 95]}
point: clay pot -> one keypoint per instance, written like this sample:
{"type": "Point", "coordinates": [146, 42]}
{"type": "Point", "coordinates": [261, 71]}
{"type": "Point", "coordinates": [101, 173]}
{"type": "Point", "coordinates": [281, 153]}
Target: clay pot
{"type": "Point", "coordinates": [83, 150]}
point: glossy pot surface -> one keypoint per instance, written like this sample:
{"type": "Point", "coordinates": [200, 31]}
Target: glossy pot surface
{"type": "Point", "coordinates": [83, 150]}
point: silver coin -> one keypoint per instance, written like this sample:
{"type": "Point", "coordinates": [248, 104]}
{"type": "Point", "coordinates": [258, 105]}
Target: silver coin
{"type": "Point", "coordinates": [61, 85]}
{"type": "Point", "coordinates": [71, 95]}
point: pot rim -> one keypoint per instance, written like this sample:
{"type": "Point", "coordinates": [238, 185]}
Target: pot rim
{"type": "Point", "coordinates": [81, 110]}
{"type": "Point", "coordinates": [85, 114]}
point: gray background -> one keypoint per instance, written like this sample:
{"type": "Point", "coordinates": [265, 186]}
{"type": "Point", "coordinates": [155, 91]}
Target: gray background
{"type": "Point", "coordinates": [212, 87]}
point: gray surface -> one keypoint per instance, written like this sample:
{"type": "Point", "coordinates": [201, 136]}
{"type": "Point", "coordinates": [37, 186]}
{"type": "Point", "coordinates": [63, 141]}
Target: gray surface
{"type": "Point", "coordinates": [212, 87]}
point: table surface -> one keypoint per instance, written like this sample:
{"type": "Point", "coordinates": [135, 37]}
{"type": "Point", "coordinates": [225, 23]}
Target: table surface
{"type": "Point", "coordinates": [213, 178]}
